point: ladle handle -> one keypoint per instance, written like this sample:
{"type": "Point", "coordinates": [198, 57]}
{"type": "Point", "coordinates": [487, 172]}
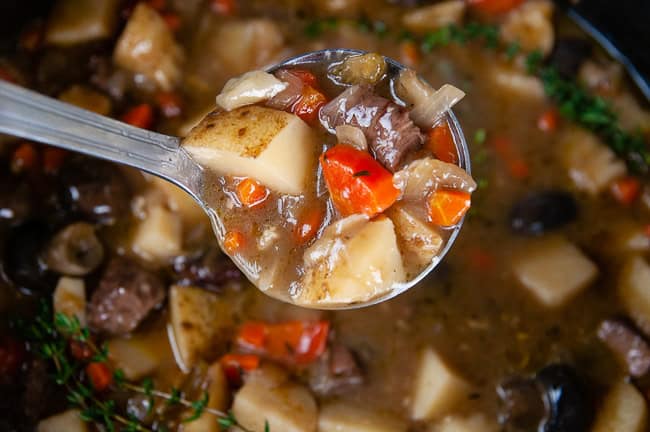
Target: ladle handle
{"type": "Point", "coordinates": [30, 115]}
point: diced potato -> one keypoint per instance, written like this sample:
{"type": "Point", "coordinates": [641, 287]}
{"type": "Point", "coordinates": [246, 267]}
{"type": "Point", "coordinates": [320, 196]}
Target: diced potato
{"type": "Point", "coordinates": [436, 389]}
{"type": "Point", "coordinates": [248, 89]}
{"type": "Point", "coordinates": [433, 17]}
{"type": "Point", "coordinates": [268, 396]}
{"type": "Point", "coordinates": [516, 82]}
{"type": "Point", "coordinates": [68, 421]}
{"type": "Point", "coordinates": [218, 399]}
{"type": "Point", "coordinates": [70, 298]}
{"type": "Point", "coordinates": [181, 203]}
{"type": "Point", "coordinates": [632, 116]}
{"type": "Point", "coordinates": [554, 270]}
{"type": "Point", "coordinates": [134, 356]}
{"type": "Point", "coordinates": [344, 416]}
{"type": "Point", "coordinates": [236, 46]}
{"type": "Point", "coordinates": [193, 119]}
{"type": "Point", "coordinates": [79, 21]}
{"type": "Point", "coordinates": [624, 410]}
{"type": "Point", "coordinates": [201, 323]}
{"type": "Point", "coordinates": [351, 266]}
{"type": "Point", "coordinates": [417, 239]}
{"type": "Point", "coordinates": [591, 164]}
{"type": "Point", "coordinates": [474, 423]}
{"type": "Point", "coordinates": [159, 236]}
{"type": "Point", "coordinates": [634, 291]}
{"type": "Point", "coordinates": [147, 46]}
{"type": "Point", "coordinates": [531, 26]}
{"type": "Point", "coordinates": [271, 146]}
{"type": "Point", "coordinates": [87, 98]}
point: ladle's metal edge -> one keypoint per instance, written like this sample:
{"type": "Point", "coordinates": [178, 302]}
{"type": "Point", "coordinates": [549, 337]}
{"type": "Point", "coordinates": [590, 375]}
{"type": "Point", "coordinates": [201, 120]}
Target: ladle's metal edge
{"type": "Point", "coordinates": [464, 162]}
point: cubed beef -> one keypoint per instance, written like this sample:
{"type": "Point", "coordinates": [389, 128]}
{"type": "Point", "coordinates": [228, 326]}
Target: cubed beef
{"type": "Point", "coordinates": [335, 372]}
{"type": "Point", "coordinates": [126, 295]}
{"type": "Point", "coordinates": [211, 271]}
{"type": "Point", "coordinates": [627, 344]}
{"type": "Point", "coordinates": [390, 132]}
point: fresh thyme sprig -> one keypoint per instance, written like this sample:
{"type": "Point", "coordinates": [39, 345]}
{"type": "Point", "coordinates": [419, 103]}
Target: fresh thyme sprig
{"type": "Point", "coordinates": [575, 103]}
{"type": "Point", "coordinates": [49, 336]}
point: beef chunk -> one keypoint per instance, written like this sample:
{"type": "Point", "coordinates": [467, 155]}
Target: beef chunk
{"type": "Point", "coordinates": [568, 54]}
{"type": "Point", "coordinates": [210, 271]}
{"type": "Point", "coordinates": [390, 132]}
{"type": "Point", "coordinates": [126, 295]}
{"type": "Point", "coordinates": [335, 372]}
{"type": "Point", "coordinates": [627, 344]}
{"type": "Point", "coordinates": [39, 397]}
{"type": "Point", "coordinates": [94, 189]}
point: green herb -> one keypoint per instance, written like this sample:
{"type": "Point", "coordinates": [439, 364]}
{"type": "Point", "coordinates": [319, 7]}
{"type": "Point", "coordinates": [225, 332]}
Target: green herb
{"type": "Point", "coordinates": [363, 173]}
{"type": "Point", "coordinates": [316, 28]}
{"type": "Point", "coordinates": [512, 50]}
{"type": "Point", "coordinates": [480, 136]}
{"type": "Point", "coordinates": [48, 334]}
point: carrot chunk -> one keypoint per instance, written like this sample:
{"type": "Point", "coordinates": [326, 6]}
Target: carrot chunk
{"type": "Point", "coordinates": [100, 375]}
{"type": "Point", "coordinates": [309, 104]}
{"type": "Point", "coordinates": [626, 190]}
{"type": "Point", "coordinates": [139, 116]}
{"type": "Point", "coordinates": [548, 121]}
{"type": "Point", "coordinates": [251, 192]}
{"type": "Point", "coordinates": [293, 342]}
{"type": "Point", "coordinates": [447, 207]}
{"type": "Point", "coordinates": [223, 7]}
{"type": "Point", "coordinates": [494, 7]}
{"type": "Point", "coordinates": [53, 159]}
{"type": "Point", "coordinates": [410, 53]}
{"type": "Point", "coordinates": [441, 143]}
{"type": "Point", "coordinates": [357, 183]}
{"type": "Point", "coordinates": [234, 366]}
{"type": "Point", "coordinates": [24, 158]}
{"type": "Point", "coordinates": [308, 223]}
{"type": "Point", "coordinates": [233, 241]}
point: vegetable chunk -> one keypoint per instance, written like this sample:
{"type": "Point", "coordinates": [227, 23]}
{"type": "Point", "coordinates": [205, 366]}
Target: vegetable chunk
{"type": "Point", "coordinates": [355, 260]}
{"type": "Point", "coordinates": [68, 421]}
{"type": "Point", "coordinates": [70, 298]}
{"type": "Point", "coordinates": [134, 356]}
{"type": "Point", "coordinates": [250, 88]}
{"type": "Point", "coordinates": [554, 270]}
{"type": "Point", "coordinates": [79, 21]}
{"type": "Point", "coordinates": [418, 240]}
{"type": "Point", "coordinates": [437, 388]}
{"type": "Point", "coordinates": [624, 410]}
{"type": "Point", "coordinates": [343, 416]}
{"type": "Point", "coordinates": [147, 47]}
{"type": "Point", "coordinates": [274, 147]}
{"type": "Point", "coordinates": [474, 423]}
{"type": "Point", "coordinates": [159, 236]}
{"type": "Point", "coordinates": [268, 396]}
{"type": "Point", "coordinates": [634, 291]}
{"type": "Point", "coordinates": [201, 322]}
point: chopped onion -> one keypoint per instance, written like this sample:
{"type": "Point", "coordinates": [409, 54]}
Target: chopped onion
{"type": "Point", "coordinates": [424, 175]}
{"type": "Point", "coordinates": [429, 105]}
{"type": "Point", "coordinates": [248, 89]}
{"type": "Point", "coordinates": [346, 134]}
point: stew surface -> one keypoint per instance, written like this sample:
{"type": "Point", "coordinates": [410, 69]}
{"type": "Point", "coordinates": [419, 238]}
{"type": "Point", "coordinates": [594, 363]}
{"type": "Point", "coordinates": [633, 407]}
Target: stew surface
{"type": "Point", "coordinates": [119, 310]}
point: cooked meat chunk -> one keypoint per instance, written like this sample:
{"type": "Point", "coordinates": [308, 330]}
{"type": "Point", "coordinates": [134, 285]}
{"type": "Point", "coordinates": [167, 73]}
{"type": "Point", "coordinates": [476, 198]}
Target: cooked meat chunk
{"type": "Point", "coordinates": [627, 344]}
{"type": "Point", "coordinates": [126, 295]}
{"type": "Point", "coordinates": [390, 132]}
{"type": "Point", "coordinates": [289, 96]}
{"type": "Point", "coordinates": [335, 372]}
{"type": "Point", "coordinates": [210, 271]}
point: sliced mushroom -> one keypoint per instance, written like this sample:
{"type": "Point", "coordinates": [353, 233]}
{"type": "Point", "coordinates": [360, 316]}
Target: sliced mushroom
{"type": "Point", "coordinates": [75, 250]}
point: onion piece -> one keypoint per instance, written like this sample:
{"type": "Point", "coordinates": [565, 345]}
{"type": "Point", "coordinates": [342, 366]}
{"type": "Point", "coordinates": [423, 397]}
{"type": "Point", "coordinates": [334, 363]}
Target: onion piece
{"type": "Point", "coordinates": [250, 88]}
{"type": "Point", "coordinates": [429, 105]}
{"type": "Point", "coordinates": [346, 134]}
{"type": "Point", "coordinates": [422, 176]}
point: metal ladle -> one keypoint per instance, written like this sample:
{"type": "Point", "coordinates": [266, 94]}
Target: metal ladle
{"type": "Point", "coordinates": [29, 115]}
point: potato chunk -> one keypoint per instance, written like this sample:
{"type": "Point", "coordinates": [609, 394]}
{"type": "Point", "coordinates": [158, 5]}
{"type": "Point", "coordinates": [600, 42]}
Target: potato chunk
{"type": "Point", "coordinates": [87, 98]}
{"type": "Point", "coordinates": [134, 356]}
{"type": "Point", "coordinates": [474, 423]}
{"type": "Point", "coordinates": [435, 16]}
{"type": "Point", "coordinates": [147, 47]}
{"type": "Point", "coordinates": [68, 421]}
{"type": "Point", "coordinates": [201, 322]}
{"type": "Point", "coordinates": [437, 388]}
{"type": "Point", "coordinates": [271, 146]}
{"type": "Point", "coordinates": [554, 270]}
{"type": "Point", "coordinates": [417, 240]}
{"type": "Point", "coordinates": [353, 261]}
{"type": "Point", "coordinates": [624, 410]}
{"type": "Point", "coordinates": [591, 165]}
{"type": "Point", "coordinates": [159, 236]}
{"type": "Point", "coordinates": [343, 416]}
{"type": "Point", "coordinates": [531, 26]}
{"type": "Point", "coordinates": [218, 398]}
{"type": "Point", "coordinates": [79, 21]}
{"type": "Point", "coordinates": [268, 396]}
{"type": "Point", "coordinates": [634, 291]}
{"type": "Point", "coordinates": [70, 298]}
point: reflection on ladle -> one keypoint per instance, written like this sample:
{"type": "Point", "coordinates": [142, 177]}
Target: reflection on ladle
{"type": "Point", "coordinates": [313, 218]}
